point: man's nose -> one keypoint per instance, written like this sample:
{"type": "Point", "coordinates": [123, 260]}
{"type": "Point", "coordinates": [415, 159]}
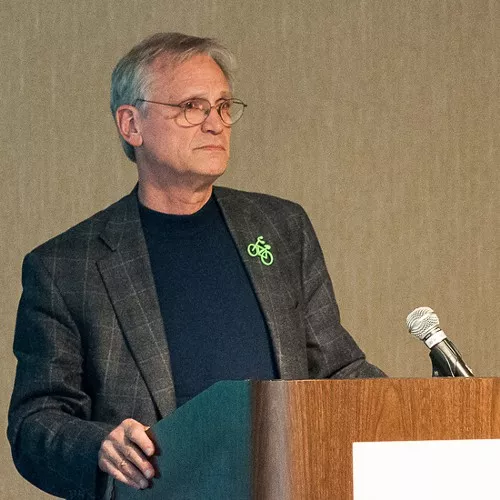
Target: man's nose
{"type": "Point", "coordinates": [213, 123]}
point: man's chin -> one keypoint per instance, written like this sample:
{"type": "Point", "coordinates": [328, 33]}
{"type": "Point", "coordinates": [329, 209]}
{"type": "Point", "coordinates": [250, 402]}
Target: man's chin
{"type": "Point", "coordinates": [214, 169]}
{"type": "Point", "coordinates": [208, 174]}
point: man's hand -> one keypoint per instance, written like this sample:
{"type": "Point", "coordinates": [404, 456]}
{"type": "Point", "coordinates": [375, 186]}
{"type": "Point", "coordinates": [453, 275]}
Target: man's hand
{"type": "Point", "coordinates": [124, 454]}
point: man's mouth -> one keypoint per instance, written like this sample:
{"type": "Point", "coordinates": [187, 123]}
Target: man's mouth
{"type": "Point", "coordinates": [212, 147]}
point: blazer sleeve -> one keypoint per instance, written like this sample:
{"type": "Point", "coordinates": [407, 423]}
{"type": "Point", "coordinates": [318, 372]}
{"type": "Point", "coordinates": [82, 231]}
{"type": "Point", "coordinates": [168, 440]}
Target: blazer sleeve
{"type": "Point", "coordinates": [331, 351]}
{"type": "Point", "coordinates": [54, 444]}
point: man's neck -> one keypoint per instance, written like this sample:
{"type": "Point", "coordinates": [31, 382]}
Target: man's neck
{"type": "Point", "coordinates": [176, 201]}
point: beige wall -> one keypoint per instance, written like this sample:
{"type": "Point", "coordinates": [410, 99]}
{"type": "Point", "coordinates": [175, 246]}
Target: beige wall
{"type": "Point", "coordinates": [381, 118]}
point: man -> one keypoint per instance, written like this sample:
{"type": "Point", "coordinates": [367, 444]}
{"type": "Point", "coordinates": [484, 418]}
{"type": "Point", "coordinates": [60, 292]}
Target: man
{"type": "Point", "coordinates": [179, 284]}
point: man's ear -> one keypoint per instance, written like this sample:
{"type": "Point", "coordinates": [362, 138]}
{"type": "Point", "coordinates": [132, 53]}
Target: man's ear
{"type": "Point", "coordinates": [128, 123]}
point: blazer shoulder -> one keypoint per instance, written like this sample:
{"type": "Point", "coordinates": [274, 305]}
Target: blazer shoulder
{"type": "Point", "coordinates": [268, 203]}
{"type": "Point", "coordinates": [77, 237]}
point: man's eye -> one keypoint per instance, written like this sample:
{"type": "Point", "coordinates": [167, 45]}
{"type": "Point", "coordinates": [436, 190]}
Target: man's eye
{"type": "Point", "coordinates": [226, 108]}
{"type": "Point", "coordinates": [193, 104]}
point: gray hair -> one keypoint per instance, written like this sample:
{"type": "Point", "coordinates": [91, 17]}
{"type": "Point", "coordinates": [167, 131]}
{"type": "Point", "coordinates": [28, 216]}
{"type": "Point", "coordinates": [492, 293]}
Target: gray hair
{"type": "Point", "coordinates": [131, 77]}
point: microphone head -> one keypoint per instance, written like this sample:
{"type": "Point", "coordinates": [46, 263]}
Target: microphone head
{"type": "Point", "coordinates": [424, 324]}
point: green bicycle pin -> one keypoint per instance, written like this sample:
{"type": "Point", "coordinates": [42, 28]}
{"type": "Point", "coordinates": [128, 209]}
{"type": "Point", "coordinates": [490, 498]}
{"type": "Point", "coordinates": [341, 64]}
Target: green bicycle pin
{"type": "Point", "coordinates": [261, 249]}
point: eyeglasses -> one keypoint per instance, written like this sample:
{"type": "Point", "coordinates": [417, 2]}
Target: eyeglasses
{"type": "Point", "coordinates": [196, 110]}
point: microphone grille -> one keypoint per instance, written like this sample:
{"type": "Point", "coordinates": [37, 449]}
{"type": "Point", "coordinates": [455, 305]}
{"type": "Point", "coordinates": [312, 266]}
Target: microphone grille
{"type": "Point", "coordinates": [422, 322]}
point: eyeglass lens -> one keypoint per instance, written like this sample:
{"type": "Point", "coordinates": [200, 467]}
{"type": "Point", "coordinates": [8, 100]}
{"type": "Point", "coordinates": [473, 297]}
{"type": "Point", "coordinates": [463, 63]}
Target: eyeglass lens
{"type": "Point", "coordinates": [197, 110]}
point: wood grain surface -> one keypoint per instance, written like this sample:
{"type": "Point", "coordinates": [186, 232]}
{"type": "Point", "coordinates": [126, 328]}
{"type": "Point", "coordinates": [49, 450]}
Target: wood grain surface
{"type": "Point", "coordinates": [327, 417]}
{"type": "Point", "coordinates": [304, 430]}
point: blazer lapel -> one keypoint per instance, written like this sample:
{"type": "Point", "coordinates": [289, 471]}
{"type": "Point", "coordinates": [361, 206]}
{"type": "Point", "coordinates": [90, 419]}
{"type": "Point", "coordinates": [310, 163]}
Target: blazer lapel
{"type": "Point", "coordinates": [130, 284]}
{"type": "Point", "coordinates": [273, 290]}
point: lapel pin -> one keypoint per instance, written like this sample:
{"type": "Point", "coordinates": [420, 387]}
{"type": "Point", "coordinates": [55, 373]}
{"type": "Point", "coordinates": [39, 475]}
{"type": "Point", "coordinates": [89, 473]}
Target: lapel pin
{"type": "Point", "coordinates": [261, 249]}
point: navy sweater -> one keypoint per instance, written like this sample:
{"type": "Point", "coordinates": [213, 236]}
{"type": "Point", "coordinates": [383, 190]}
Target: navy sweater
{"type": "Point", "coordinates": [214, 325]}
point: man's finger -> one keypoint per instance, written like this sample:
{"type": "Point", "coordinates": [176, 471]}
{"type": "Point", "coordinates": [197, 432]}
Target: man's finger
{"type": "Point", "coordinates": [106, 465]}
{"type": "Point", "coordinates": [136, 433]}
{"type": "Point", "coordinates": [123, 455]}
{"type": "Point", "coordinates": [135, 456]}
{"type": "Point", "coordinates": [117, 462]}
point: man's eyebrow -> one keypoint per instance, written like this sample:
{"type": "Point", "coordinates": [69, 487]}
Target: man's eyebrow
{"type": "Point", "coordinates": [224, 95]}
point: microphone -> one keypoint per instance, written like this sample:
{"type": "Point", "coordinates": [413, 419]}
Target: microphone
{"type": "Point", "coordinates": [446, 359]}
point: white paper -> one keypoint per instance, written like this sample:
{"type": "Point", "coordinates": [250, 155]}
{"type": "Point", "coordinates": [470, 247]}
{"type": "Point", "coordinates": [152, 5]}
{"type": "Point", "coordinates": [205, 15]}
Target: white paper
{"type": "Point", "coordinates": [427, 470]}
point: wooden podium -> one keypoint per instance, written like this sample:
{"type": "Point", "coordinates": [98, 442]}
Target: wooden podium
{"type": "Point", "coordinates": [292, 440]}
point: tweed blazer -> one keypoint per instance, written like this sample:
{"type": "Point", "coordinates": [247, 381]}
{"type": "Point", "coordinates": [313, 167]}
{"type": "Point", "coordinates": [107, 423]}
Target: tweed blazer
{"type": "Point", "coordinates": [92, 349]}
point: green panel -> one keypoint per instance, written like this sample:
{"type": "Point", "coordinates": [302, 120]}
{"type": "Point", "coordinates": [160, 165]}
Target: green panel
{"type": "Point", "coordinates": [204, 448]}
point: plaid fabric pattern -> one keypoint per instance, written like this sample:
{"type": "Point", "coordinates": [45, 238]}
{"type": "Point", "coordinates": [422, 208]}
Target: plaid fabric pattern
{"type": "Point", "coordinates": [91, 345]}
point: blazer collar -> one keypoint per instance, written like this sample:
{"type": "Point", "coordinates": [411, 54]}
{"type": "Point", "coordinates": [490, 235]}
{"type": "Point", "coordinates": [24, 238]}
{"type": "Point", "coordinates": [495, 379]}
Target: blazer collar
{"type": "Point", "coordinates": [246, 221]}
{"type": "Point", "coordinates": [127, 275]}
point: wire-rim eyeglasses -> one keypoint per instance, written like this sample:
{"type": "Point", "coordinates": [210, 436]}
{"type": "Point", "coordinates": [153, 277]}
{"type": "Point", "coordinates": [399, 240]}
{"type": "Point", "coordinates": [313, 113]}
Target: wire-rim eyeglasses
{"type": "Point", "coordinates": [197, 110]}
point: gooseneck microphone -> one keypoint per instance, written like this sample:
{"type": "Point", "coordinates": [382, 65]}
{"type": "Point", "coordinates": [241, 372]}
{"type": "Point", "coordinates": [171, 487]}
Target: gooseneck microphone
{"type": "Point", "coordinates": [446, 359]}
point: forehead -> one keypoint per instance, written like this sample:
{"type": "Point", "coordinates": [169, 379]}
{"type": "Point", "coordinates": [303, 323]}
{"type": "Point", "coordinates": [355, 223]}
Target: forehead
{"type": "Point", "coordinates": [199, 74]}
